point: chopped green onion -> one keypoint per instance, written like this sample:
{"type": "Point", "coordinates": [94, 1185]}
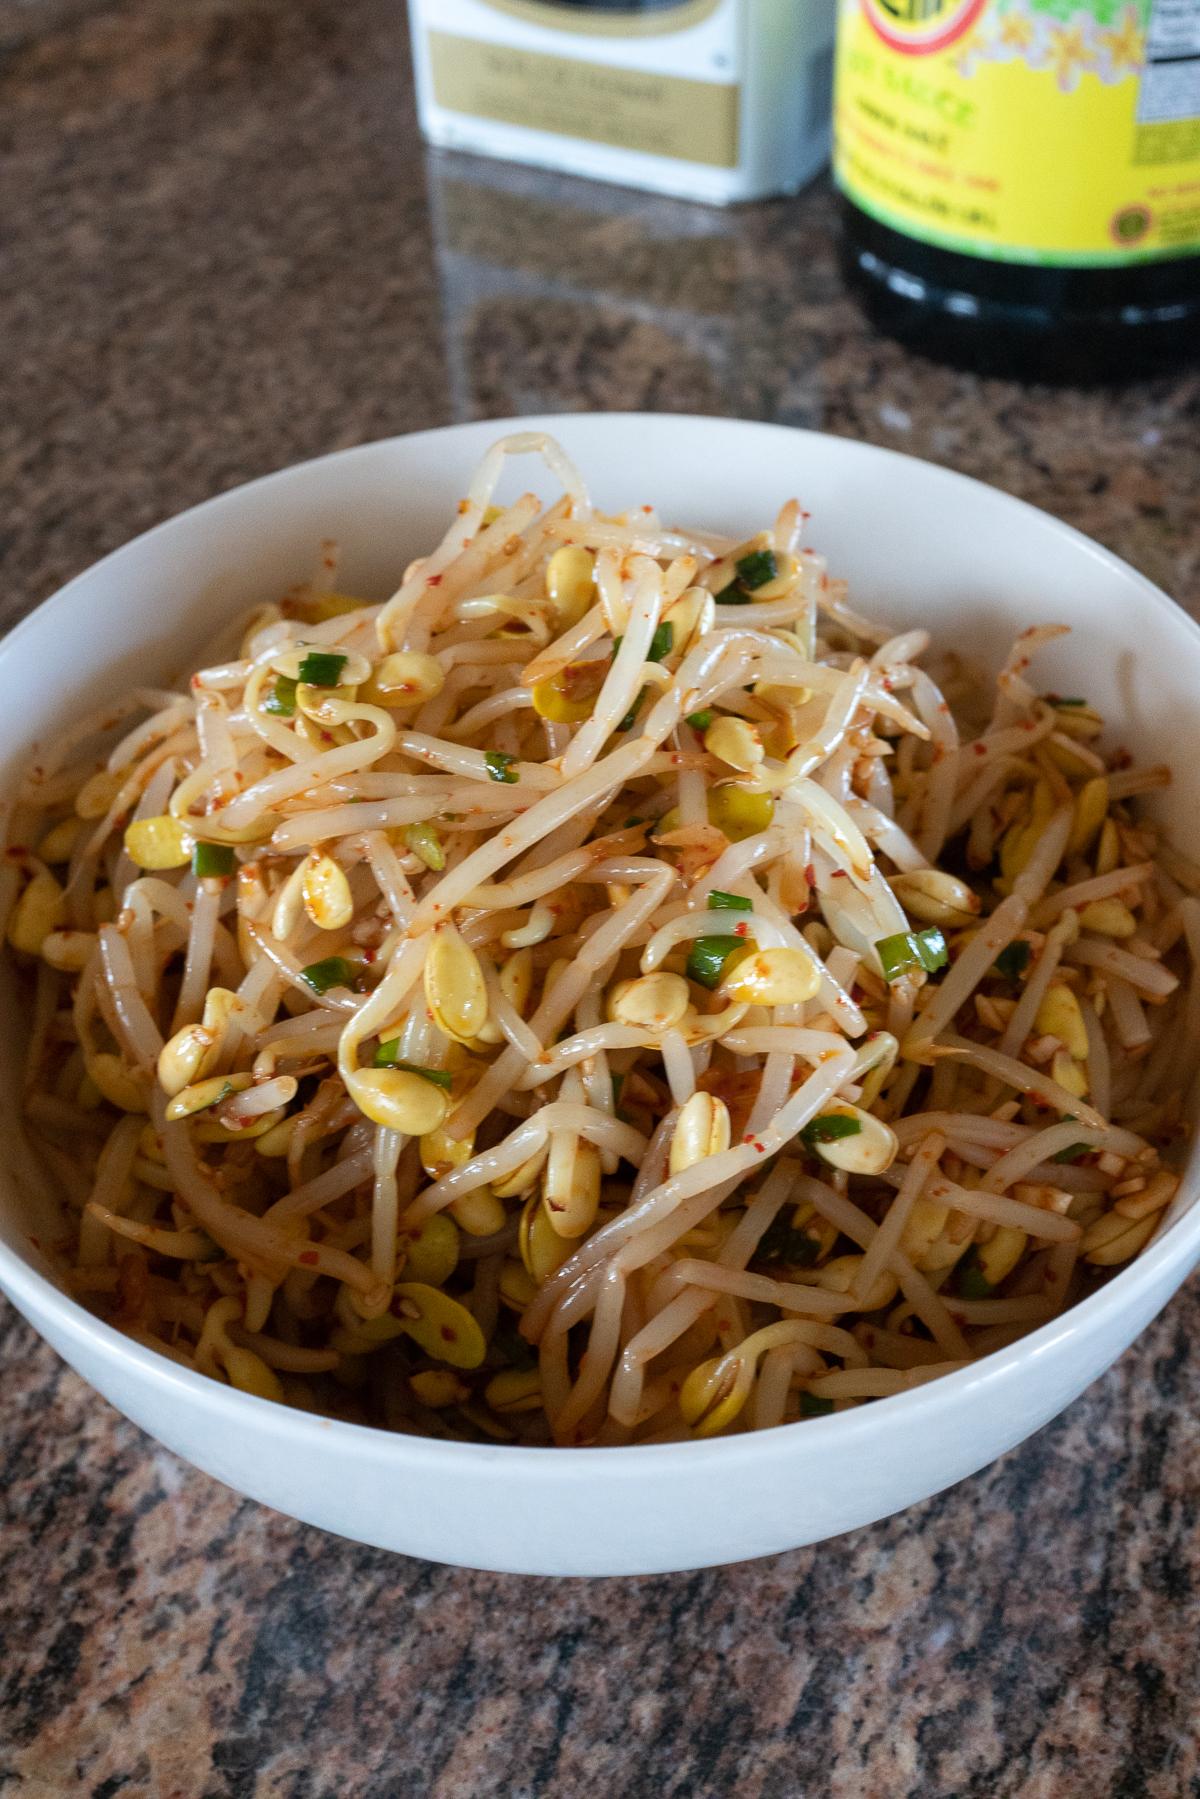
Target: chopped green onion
{"type": "Point", "coordinates": [1013, 961]}
{"type": "Point", "coordinates": [662, 643]}
{"type": "Point", "coordinates": [281, 701]}
{"type": "Point", "coordinates": [322, 668]}
{"type": "Point", "coordinates": [212, 860]}
{"type": "Point", "coordinates": [630, 822]}
{"type": "Point", "coordinates": [426, 846]}
{"type": "Point", "coordinates": [701, 720]}
{"type": "Point", "coordinates": [617, 642]}
{"type": "Point", "coordinates": [728, 902]}
{"type": "Point", "coordinates": [829, 1127]}
{"type": "Point", "coordinates": [756, 569]}
{"type": "Point", "coordinates": [972, 1282]}
{"type": "Point", "coordinates": [1071, 702]}
{"type": "Point", "coordinates": [388, 1056]}
{"type": "Point", "coordinates": [708, 956]}
{"type": "Point", "coordinates": [500, 767]}
{"type": "Point", "coordinates": [732, 596]}
{"type": "Point", "coordinates": [787, 1244]}
{"type": "Point", "coordinates": [813, 1406]}
{"type": "Point", "coordinates": [630, 718]}
{"type": "Point", "coordinates": [912, 949]}
{"type": "Point", "coordinates": [334, 971]}
{"type": "Point", "coordinates": [1072, 1152]}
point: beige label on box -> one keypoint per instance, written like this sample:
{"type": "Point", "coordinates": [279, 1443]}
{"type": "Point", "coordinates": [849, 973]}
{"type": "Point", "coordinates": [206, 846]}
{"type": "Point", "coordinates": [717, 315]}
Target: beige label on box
{"type": "Point", "coordinates": [635, 109]}
{"type": "Point", "coordinates": [635, 23]}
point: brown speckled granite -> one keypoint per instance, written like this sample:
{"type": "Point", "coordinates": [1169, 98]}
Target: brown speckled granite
{"type": "Point", "coordinates": [227, 252]}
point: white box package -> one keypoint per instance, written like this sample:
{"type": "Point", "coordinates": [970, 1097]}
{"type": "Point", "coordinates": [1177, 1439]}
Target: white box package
{"type": "Point", "coordinates": [715, 100]}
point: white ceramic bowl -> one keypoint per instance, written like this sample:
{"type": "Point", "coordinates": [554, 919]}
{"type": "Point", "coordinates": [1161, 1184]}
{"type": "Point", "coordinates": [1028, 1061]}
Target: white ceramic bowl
{"type": "Point", "coordinates": [921, 546]}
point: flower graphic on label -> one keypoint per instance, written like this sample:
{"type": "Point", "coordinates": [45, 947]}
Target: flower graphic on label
{"type": "Point", "coordinates": [1121, 48]}
{"type": "Point", "coordinates": [1070, 54]}
{"type": "Point", "coordinates": [1103, 37]}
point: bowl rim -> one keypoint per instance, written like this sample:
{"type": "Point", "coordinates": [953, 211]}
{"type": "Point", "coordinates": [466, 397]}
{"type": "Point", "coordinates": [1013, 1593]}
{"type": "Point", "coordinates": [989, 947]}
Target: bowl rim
{"type": "Point", "coordinates": [1178, 1248]}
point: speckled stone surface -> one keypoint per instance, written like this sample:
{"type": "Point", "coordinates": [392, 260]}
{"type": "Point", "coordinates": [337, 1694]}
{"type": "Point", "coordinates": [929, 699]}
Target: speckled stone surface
{"type": "Point", "coordinates": [224, 250]}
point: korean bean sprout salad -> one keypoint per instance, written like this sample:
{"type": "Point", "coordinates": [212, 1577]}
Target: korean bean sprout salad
{"type": "Point", "coordinates": [611, 991]}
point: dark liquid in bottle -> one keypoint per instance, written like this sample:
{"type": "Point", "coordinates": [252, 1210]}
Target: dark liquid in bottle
{"type": "Point", "coordinates": [1027, 320]}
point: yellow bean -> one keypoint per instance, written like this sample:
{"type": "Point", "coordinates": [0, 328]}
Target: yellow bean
{"type": "Point", "coordinates": [935, 897]}
{"type": "Point", "coordinates": [570, 584]}
{"type": "Point", "coordinates": [773, 977]}
{"type": "Point", "coordinates": [60, 840]}
{"type": "Point", "coordinates": [327, 897]}
{"type": "Point", "coordinates": [1059, 1016]}
{"type": "Point", "coordinates": [517, 1285]}
{"type": "Point", "coordinates": [542, 1248]}
{"type": "Point", "coordinates": [1112, 1238]}
{"type": "Point", "coordinates": [709, 1401]}
{"type": "Point", "coordinates": [740, 812]}
{"type": "Point", "coordinates": [441, 1152]}
{"type": "Point", "coordinates": [735, 741]}
{"type": "Point", "coordinates": [203, 1094]}
{"type": "Point", "coordinates": [454, 986]}
{"type": "Point", "coordinates": [691, 617]}
{"type": "Point", "coordinates": [37, 913]}
{"type": "Point", "coordinates": [408, 678]}
{"type": "Point", "coordinates": [432, 1252]}
{"type": "Point", "coordinates": [181, 1058]}
{"type": "Point", "coordinates": [399, 1100]}
{"type": "Point", "coordinates": [250, 1374]}
{"type": "Point", "coordinates": [119, 1085]}
{"type": "Point", "coordinates": [571, 1185]}
{"type": "Point", "coordinates": [521, 1178]}
{"type": "Point", "coordinates": [158, 843]}
{"type": "Point", "coordinates": [69, 951]}
{"type": "Point", "coordinates": [1000, 1255]}
{"type": "Point", "coordinates": [1070, 1074]}
{"type": "Point", "coordinates": [869, 1150]}
{"type": "Point", "coordinates": [1108, 850]}
{"type": "Point", "coordinates": [839, 1276]}
{"type": "Point", "coordinates": [514, 1390]}
{"type": "Point", "coordinates": [479, 1212]}
{"type": "Point", "coordinates": [1109, 918]}
{"type": "Point", "coordinates": [656, 1002]}
{"type": "Point", "coordinates": [1091, 809]}
{"type": "Point", "coordinates": [438, 1388]}
{"type": "Point", "coordinates": [355, 669]}
{"type": "Point", "coordinates": [923, 1240]}
{"type": "Point", "coordinates": [1083, 722]}
{"type": "Point", "coordinates": [442, 1327]}
{"type": "Point", "coordinates": [97, 794]}
{"type": "Point", "coordinates": [701, 1130]}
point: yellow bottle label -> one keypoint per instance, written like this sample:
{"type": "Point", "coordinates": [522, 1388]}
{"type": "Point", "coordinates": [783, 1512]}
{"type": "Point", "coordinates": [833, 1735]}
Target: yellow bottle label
{"type": "Point", "coordinates": [1042, 131]}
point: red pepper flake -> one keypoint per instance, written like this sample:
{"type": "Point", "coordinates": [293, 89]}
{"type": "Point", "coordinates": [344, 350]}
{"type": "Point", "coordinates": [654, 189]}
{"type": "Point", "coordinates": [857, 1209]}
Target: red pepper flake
{"type": "Point", "coordinates": [741, 930]}
{"type": "Point", "coordinates": [724, 1324]}
{"type": "Point", "coordinates": [308, 1258]}
{"type": "Point", "coordinates": [448, 1335]}
{"type": "Point", "coordinates": [433, 580]}
{"type": "Point", "coordinates": [17, 850]}
{"type": "Point", "coordinates": [810, 875]}
{"type": "Point", "coordinates": [368, 956]}
{"type": "Point", "coordinates": [980, 749]}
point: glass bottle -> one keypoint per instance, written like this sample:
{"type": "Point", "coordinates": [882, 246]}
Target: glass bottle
{"type": "Point", "coordinates": [1021, 179]}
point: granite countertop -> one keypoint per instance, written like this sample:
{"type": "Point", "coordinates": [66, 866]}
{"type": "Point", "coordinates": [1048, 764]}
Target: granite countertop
{"type": "Point", "coordinates": [225, 250]}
